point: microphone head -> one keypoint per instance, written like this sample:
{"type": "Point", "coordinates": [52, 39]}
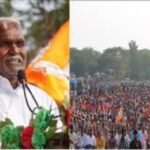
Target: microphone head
{"type": "Point", "coordinates": [21, 75]}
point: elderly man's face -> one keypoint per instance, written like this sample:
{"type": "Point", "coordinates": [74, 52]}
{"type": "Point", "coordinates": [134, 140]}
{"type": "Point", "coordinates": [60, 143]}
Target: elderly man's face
{"type": "Point", "coordinates": [12, 51]}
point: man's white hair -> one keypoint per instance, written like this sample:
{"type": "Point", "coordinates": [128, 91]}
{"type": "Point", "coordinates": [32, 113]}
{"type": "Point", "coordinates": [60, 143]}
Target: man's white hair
{"type": "Point", "coordinates": [4, 21]}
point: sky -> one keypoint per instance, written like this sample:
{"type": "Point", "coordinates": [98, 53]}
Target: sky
{"type": "Point", "coordinates": [105, 24]}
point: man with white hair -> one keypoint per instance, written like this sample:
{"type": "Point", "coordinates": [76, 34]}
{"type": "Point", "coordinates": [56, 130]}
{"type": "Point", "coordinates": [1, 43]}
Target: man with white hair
{"type": "Point", "coordinates": [13, 57]}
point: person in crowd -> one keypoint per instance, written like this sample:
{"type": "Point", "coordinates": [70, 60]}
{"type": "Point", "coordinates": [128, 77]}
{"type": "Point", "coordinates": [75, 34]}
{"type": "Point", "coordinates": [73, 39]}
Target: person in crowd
{"type": "Point", "coordinates": [100, 141]}
{"type": "Point", "coordinates": [72, 138]}
{"type": "Point", "coordinates": [81, 140]}
{"type": "Point", "coordinates": [90, 141]}
{"type": "Point", "coordinates": [135, 143]}
{"type": "Point", "coordinates": [124, 140]}
{"type": "Point", "coordinates": [144, 137]}
{"type": "Point", "coordinates": [112, 142]}
{"type": "Point", "coordinates": [98, 109]}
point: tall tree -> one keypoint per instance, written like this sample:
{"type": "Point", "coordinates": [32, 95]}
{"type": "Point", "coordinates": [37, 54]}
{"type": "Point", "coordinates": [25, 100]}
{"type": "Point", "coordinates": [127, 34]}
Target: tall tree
{"type": "Point", "coordinates": [113, 60]}
{"type": "Point", "coordinates": [6, 8]}
{"type": "Point", "coordinates": [134, 72]}
{"type": "Point", "coordinates": [84, 61]}
{"type": "Point", "coordinates": [121, 63]}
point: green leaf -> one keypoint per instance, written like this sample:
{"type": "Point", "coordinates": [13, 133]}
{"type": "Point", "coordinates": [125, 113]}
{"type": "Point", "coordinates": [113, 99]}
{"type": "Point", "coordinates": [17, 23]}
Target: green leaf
{"type": "Point", "coordinates": [38, 139]}
{"type": "Point", "coordinates": [50, 133]}
{"type": "Point", "coordinates": [10, 136]}
{"type": "Point", "coordinates": [8, 121]}
{"type": "Point", "coordinates": [53, 123]}
{"type": "Point", "coordinates": [3, 123]}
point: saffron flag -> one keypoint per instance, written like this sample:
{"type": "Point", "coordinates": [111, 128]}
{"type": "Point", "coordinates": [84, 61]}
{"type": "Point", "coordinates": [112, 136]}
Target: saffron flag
{"type": "Point", "coordinates": [147, 112]}
{"type": "Point", "coordinates": [50, 70]}
{"type": "Point", "coordinates": [119, 117]}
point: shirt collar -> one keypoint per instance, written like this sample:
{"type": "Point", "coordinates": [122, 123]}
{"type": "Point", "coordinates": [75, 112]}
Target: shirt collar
{"type": "Point", "coordinates": [6, 85]}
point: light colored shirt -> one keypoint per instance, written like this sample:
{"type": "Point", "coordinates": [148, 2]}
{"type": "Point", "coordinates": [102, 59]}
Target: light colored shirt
{"type": "Point", "coordinates": [132, 135]}
{"type": "Point", "coordinates": [72, 139]}
{"type": "Point", "coordinates": [14, 107]}
{"type": "Point", "coordinates": [81, 141]}
{"type": "Point", "coordinates": [144, 138]}
{"type": "Point", "coordinates": [90, 140]}
{"type": "Point", "coordinates": [100, 143]}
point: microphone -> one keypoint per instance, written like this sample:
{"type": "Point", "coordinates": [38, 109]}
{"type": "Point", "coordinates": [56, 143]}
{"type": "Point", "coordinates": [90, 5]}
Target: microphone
{"type": "Point", "coordinates": [22, 78]}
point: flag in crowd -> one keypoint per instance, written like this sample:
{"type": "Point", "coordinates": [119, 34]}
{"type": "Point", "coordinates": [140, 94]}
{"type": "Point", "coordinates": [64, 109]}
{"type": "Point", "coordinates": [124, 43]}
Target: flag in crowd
{"type": "Point", "coordinates": [119, 117]}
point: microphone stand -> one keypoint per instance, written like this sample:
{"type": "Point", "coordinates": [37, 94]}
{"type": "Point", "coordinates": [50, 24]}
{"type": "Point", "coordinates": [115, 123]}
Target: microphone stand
{"type": "Point", "coordinates": [22, 79]}
{"type": "Point", "coordinates": [26, 85]}
{"type": "Point", "coordinates": [24, 90]}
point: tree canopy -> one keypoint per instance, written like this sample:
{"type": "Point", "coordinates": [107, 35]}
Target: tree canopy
{"type": "Point", "coordinates": [130, 63]}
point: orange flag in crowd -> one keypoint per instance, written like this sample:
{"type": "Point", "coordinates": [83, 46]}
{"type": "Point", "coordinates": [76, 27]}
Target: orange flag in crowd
{"type": "Point", "coordinates": [119, 117]}
{"type": "Point", "coordinates": [147, 112]}
{"type": "Point", "coordinates": [50, 70]}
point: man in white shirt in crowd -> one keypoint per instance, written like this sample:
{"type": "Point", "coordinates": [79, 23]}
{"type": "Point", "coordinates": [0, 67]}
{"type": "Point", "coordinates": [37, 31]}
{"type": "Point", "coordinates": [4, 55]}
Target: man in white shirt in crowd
{"type": "Point", "coordinates": [72, 138]}
{"type": "Point", "coordinates": [13, 56]}
{"type": "Point", "coordinates": [90, 141]}
{"type": "Point", "coordinates": [81, 140]}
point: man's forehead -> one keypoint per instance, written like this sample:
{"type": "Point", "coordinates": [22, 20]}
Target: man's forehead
{"type": "Point", "coordinates": [10, 30]}
{"type": "Point", "coordinates": [5, 25]}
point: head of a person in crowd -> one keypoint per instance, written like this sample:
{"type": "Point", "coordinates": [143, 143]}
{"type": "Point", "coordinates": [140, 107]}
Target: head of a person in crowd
{"type": "Point", "coordinates": [143, 128]}
{"type": "Point", "coordinates": [123, 132]}
{"type": "Point", "coordinates": [99, 134]}
{"type": "Point", "coordinates": [133, 126]}
{"type": "Point", "coordinates": [82, 132]}
{"type": "Point", "coordinates": [13, 53]}
{"type": "Point", "coordinates": [112, 133]}
{"type": "Point", "coordinates": [90, 132]}
{"type": "Point", "coordinates": [140, 126]}
{"type": "Point", "coordinates": [135, 133]}
{"type": "Point", "coordinates": [71, 129]}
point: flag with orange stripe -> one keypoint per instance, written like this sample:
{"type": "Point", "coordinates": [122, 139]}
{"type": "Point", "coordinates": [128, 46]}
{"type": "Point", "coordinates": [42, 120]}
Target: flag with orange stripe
{"type": "Point", "coordinates": [119, 117]}
{"type": "Point", "coordinates": [50, 70]}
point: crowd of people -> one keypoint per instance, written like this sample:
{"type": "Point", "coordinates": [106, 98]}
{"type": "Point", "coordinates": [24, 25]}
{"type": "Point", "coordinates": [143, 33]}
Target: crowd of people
{"type": "Point", "coordinates": [110, 114]}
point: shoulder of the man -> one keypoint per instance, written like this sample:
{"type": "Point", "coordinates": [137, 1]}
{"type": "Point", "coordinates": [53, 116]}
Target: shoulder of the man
{"type": "Point", "coordinates": [36, 89]}
{"type": "Point", "coordinates": [40, 94]}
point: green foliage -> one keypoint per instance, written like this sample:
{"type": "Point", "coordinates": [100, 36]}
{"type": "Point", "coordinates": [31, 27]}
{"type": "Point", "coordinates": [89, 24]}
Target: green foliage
{"type": "Point", "coordinates": [43, 118]}
{"type": "Point", "coordinates": [83, 61]}
{"type": "Point", "coordinates": [10, 137]}
{"type": "Point", "coordinates": [50, 132]}
{"type": "Point", "coordinates": [38, 139]}
{"type": "Point", "coordinates": [132, 63]}
{"type": "Point", "coordinates": [5, 8]}
{"type": "Point", "coordinates": [44, 128]}
{"type": "Point", "coordinates": [45, 18]}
